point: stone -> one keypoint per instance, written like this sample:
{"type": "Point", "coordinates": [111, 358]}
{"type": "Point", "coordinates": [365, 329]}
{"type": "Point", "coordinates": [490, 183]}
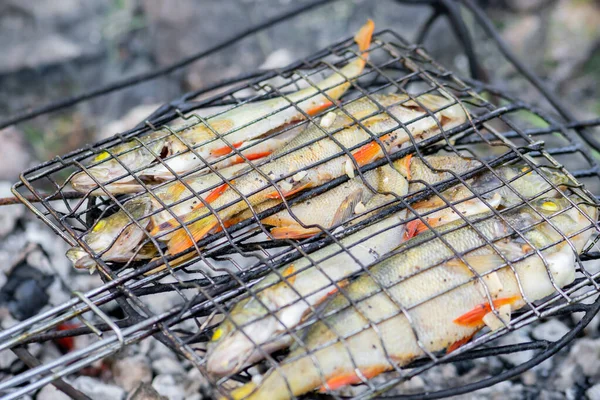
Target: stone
{"type": "Point", "coordinates": [194, 381]}
{"type": "Point", "coordinates": [167, 365]}
{"type": "Point", "coordinates": [129, 372]}
{"type": "Point", "coordinates": [49, 392]}
{"type": "Point", "coordinates": [566, 376]}
{"type": "Point", "coordinates": [525, 37]}
{"type": "Point", "coordinates": [145, 391]}
{"type": "Point", "coordinates": [518, 336]}
{"type": "Point", "coordinates": [48, 50]}
{"type": "Point", "coordinates": [170, 386]}
{"type": "Point", "coordinates": [7, 357]}
{"type": "Point", "coordinates": [97, 389]}
{"type": "Point", "coordinates": [593, 393]}
{"type": "Point", "coordinates": [551, 331]}
{"type": "Point", "coordinates": [586, 354]}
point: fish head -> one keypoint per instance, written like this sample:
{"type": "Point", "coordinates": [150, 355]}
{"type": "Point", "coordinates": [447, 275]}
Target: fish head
{"type": "Point", "coordinates": [92, 178]}
{"type": "Point", "coordinates": [533, 183]}
{"type": "Point", "coordinates": [114, 165]}
{"type": "Point", "coordinates": [115, 233]}
{"type": "Point", "coordinates": [81, 259]}
{"type": "Point", "coordinates": [239, 339]}
{"type": "Point", "coordinates": [562, 219]}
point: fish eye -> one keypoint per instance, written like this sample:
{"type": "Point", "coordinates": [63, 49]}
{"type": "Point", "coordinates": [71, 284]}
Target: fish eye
{"type": "Point", "coordinates": [217, 334]}
{"type": "Point", "coordinates": [101, 224]}
{"type": "Point", "coordinates": [102, 156]}
{"type": "Point", "coordinates": [549, 205]}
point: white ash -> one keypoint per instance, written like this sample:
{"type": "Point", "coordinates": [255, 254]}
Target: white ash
{"type": "Point", "coordinates": [9, 215]}
{"type": "Point", "coordinates": [585, 353]}
{"type": "Point", "coordinates": [194, 380]}
{"type": "Point", "coordinates": [516, 337]}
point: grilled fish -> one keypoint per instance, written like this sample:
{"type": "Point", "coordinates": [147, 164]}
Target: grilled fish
{"type": "Point", "coordinates": [441, 294]}
{"type": "Point", "coordinates": [117, 238]}
{"type": "Point", "coordinates": [218, 135]}
{"type": "Point", "coordinates": [298, 287]}
{"type": "Point", "coordinates": [315, 145]}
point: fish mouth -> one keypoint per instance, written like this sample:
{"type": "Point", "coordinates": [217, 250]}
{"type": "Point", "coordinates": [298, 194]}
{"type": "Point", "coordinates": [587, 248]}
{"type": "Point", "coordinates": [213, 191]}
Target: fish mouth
{"type": "Point", "coordinates": [230, 355]}
{"type": "Point", "coordinates": [81, 259]}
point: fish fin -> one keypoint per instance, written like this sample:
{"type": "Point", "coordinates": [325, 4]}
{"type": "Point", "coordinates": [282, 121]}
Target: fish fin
{"type": "Point", "coordinates": [364, 35]}
{"type": "Point", "coordinates": [293, 232]}
{"type": "Point", "coordinates": [227, 224]}
{"type": "Point", "coordinates": [181, 240]}
{"type": "Point", "coordinates": [317, 108]}
{"type": "Point", "coordinates": [344, 379]}
{"type": "Point", "coordinates": [296, 188]}
{"type": "Point", "coordinates": [174, 263]}
{"type": "Point", "coordinates": [258, 155]}
{"type": "Point", "coordinates": [369, 152]}
{"type": "Point", "coordinates": [222, 151]}
{"type": "Point", "coordinates": [341, 284]}
{"type": "Point", "coordinates": [287, 274]}
{"type": "Point", "coordinates": [175, 190]}
{"type": "Point", "coordinates": [214, 194]}
{"type": "Point", "coordinates": [459, 343]}
{"type": "Point", "coordinates": [346, 208]}
{"type": "Point", "coordinates": [474, 317]}
{"type": "Point", "coordinates": [415, 227]}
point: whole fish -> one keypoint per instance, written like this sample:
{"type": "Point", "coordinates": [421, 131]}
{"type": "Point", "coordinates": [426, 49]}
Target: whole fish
{"type": "Point", "coordinates": [256, 322]}
{"type": "Point", "coordinates": [314, 145]}
{"type": "Point", "coordinates": [218, 135]}
{"type": "Point", "coordinates": [117, 238]}
{"type": "Point", "coordinates": [444, 300]}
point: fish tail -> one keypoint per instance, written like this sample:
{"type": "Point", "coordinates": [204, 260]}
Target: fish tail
{"type": "Point", "coordinates": [363, 38]}
{"type": "Point", "coordinates": [352, 70]}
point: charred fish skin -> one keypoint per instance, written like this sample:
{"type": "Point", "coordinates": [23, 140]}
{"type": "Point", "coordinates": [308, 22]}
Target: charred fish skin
{"type": "Point", "coordinates": [238, 126]}
{"type": "Point", "coordinates": [440, 300]}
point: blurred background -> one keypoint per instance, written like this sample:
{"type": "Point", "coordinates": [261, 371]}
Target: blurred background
{"type": "Point", "coordinates": [53, 49]}
{"type": "Point", "coordinates": [56, 49]}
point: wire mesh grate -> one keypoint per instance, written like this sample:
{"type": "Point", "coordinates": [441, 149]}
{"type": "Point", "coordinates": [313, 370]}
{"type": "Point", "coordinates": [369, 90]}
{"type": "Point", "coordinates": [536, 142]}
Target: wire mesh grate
{"type": "Point", "coordinates": [495, 151]}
